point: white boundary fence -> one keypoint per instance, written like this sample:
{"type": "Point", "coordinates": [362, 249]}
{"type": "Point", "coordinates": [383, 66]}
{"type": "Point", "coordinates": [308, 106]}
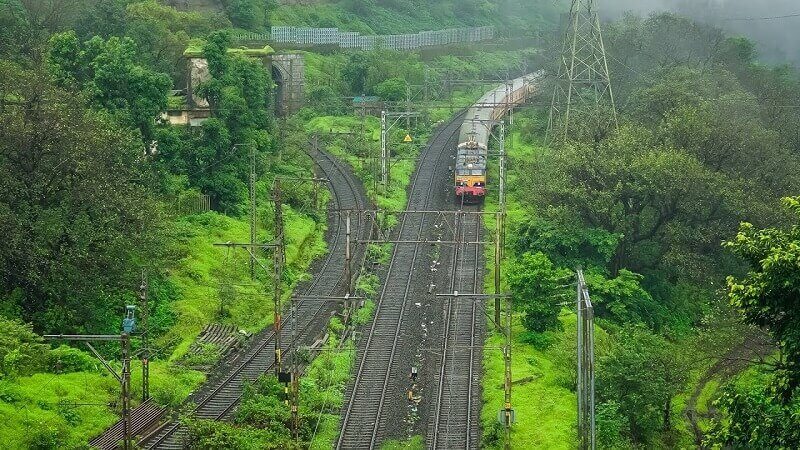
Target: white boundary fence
{"type": "Point", "coordinates": [350, 40]}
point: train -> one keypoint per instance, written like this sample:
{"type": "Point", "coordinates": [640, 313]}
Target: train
{"type": "Point", "coordinates": [472, 153]}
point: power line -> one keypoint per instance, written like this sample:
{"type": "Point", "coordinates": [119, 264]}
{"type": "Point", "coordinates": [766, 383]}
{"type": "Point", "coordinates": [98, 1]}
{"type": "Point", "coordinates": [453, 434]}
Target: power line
{"type": "Point", "coordinates": [749, 19]}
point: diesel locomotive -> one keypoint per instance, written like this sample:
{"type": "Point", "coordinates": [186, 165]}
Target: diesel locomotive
{"type": "Point", "coordinates": [473, 148]}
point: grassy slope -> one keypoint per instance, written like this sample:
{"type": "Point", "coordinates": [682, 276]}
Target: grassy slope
{"type": "Point", "coordinates": [529, 15]}
{"type": "Point", "coordinates": [199, 274]}
{"type": "Point", "coordinates": [29, 406]}
{"type": "Point", "coordinates": [546, 410]}
{"type": "Point", "coordinates": [70, 407]}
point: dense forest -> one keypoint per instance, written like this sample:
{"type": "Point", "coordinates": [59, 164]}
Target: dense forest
{"type": "Point", "coordinates": [684, 216]}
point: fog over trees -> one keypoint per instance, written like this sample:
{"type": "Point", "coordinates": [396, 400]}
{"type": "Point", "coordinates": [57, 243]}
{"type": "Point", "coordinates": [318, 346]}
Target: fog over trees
{"type": "Point", "coordinates": [765, 21]}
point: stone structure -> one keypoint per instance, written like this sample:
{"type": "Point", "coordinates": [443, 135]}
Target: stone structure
{"type": "Point", "coordinates": [288, 74]}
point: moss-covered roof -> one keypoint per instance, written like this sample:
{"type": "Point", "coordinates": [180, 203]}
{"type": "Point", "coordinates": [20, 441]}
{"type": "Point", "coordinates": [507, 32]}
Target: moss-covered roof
{"type": "Point", "coordinates": [195, 50]}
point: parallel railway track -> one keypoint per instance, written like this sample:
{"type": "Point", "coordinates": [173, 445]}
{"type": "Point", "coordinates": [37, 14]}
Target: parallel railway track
{"type": "Point", "coordinates": [364, 418]}
{"type": "Point", "coordinates": [312, 316]}
{"type": "Point", "coordinates": [455, 419]}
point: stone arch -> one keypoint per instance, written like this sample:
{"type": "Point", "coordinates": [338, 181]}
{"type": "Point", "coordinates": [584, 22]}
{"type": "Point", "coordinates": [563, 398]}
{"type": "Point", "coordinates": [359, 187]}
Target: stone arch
{"type": "Point", "coordinates": [288, 73]}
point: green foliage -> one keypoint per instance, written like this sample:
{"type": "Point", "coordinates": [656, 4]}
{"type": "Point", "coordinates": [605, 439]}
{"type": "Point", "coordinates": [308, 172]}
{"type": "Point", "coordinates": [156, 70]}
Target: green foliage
{"type": "Point", "coordinates": [107, 71]}
{"type": "Point", "coordinates": [768, 294]}
{"type": "Point", "coordinates": [623, 300]}
{"type": "Point", "coordinates": [611, 425]}
{"type": "Point", "coordinates": [65, 359]}
{"type": "Point", "coordinates": [393, 89]}
{"type": "Point", "coordinates": [78, 221]}
{"type": "Point", "coordinates": [415, 442]}
{"type": "Point", "coordinates": [642, 373]}
{"type": "Point", "coordinates": [535, 284]}
{"type": "Point", "coordinates": [21, 350]}
{"type": "Point", "coordinates": [754, 419]}
{"type": "Point", "coordinates": [242, 12]}
{"type": "Point", "coordinates": [524, 17]}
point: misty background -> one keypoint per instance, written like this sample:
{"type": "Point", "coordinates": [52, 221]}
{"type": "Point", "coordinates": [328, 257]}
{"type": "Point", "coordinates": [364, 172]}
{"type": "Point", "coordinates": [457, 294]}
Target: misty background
{"type": "Point", "coordinates": [778, 38]}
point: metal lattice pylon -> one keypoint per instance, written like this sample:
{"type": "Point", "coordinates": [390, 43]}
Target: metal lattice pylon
{"type": "Point", "coordinates": [583, 78]}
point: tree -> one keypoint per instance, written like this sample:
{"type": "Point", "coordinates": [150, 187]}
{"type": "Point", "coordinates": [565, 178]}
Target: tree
{"type": "Point", "coordinates": [242, 12]}
{"type": "Point", "coordinates": [534, 283]}
{"type": "Point", "coordinates": [770, 292]}
{"type": "Point", "coordinates": [623, 300]}
{"type": "Point", "coordinates": [642, 373]}
{"type": "Point", "coordinates": [76, 211]}
{"type": "Point", "coordinates": [355, 73]}
{"type": "Point", "coordinates": [21, 350]}
{"type": "Point", "coordinates": [393, 89]}
{"type": "Point", "coordinates": [107, 71]}
{"type": "Point", "coordinates": [753, 419]}
{"type": "Point", "coordinates": [662, 205]}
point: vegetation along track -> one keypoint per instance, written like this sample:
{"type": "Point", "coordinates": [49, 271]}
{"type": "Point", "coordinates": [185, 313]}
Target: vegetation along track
{"type": "Point", "coordinates": [372, 399]}
{"type": "Point", "coordinates": [218, 400]}
{"type": "Point", "coordinates": [455, 417]}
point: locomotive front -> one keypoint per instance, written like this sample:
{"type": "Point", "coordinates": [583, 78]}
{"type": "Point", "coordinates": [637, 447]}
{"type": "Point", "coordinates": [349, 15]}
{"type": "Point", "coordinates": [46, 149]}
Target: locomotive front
{"type": "Point", "coordinates": [470, 172]}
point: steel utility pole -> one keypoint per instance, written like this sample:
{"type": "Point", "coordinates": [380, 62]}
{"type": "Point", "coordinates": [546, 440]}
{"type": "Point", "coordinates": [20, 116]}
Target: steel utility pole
{"type": "Point", "coordinates": [583, 81]}
{"type": "Point", "coordinates": [586, 420]}
{"type": "Point", "coordinates": [124, 377]}
{"type": "Point", "coordinates": [253, 214]}
{"type": "Point", "coordinates": [145, 313]}
{"type": "Point", "coordinates": [278, 271]}
{"type": "Point", "coordinates": [385, 154]}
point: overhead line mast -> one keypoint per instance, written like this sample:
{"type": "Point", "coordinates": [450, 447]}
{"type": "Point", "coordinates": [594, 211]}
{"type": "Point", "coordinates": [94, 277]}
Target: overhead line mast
{"type": "Point", "coordinates": [583, 80]}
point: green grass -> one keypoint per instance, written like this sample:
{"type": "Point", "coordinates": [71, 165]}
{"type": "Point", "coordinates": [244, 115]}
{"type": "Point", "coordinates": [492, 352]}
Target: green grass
{"type": "Point", "coordinates": [199, 274]}
{"type": "Point", "coordinates": [380, 19]}
{"type": "Point", "coordinates": [69, 408]}
{"type": "Point", "coordinates": [545, 406]}
{"type": "Point", "coordinates": [412, 443]}
{"type": "Point", "coordinates": [546, 411]}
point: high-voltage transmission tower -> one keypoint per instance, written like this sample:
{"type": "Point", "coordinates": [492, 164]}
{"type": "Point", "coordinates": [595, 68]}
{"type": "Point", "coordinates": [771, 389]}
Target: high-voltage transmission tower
{"type": "Point", "coordinates": [583, 84]}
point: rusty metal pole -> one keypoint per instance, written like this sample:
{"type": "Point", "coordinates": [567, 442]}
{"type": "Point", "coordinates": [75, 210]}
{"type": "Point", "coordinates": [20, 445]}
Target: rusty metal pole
{"type": "Point", "coordinates": [125, 383]}
{"type": "Point", "coordinates": [278, 273]}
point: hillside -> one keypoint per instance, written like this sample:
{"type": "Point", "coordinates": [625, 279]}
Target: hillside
{"type": "Point", "coordinates": [386, 16]}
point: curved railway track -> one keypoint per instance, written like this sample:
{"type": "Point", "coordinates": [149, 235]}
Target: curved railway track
{"type": "Point", "coordinates": [217, 402]}
{"type": "Point", "coordinates": [364, 420]}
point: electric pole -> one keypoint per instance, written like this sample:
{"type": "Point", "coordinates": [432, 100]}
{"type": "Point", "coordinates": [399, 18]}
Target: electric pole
{"type": "Point", "coordinates": [145, 313]}
{"type": "Point", "coordinates": [278, 259]}
{"type": "Point", "coordinates": [583, 81]}
{"type": "Point", "coordinates": [124, 377]}
{"type": "Point", "coordinates": [253, 215]}
{"type": "Point", "coordinates": [586, 419]}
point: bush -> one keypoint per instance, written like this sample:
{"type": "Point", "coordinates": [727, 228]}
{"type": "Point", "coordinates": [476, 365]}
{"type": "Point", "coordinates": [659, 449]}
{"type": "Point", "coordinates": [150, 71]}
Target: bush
{"type": "Point", "coordinates": [21, 350]}
{"type": "Point", "coordinates": [65, 359]}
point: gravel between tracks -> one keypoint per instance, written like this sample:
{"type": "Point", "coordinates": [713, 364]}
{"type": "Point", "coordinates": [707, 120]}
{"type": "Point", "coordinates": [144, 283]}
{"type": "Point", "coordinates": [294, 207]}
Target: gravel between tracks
{"type": "Point", "coordinates": [407, 327]}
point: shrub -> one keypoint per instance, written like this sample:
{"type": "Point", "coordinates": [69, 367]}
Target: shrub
{"type": "Point", "coordinates": [65, 359]}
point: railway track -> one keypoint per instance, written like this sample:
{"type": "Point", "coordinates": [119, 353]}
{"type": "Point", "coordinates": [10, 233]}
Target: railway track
{"type": "Point", "coordinates": [376, 383]}
{"type": "Point", "coordinates": [455, 418]}
{"type": "Point", "coordinates": [218, 401]}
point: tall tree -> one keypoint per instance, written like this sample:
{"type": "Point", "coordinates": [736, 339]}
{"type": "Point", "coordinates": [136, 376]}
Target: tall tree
{"type": "Point", "coordinates": [108, 72]}
{"type": "Point", "coordinates": [75, 212]}
{"type": "Point", "coordinates": [769, 294]}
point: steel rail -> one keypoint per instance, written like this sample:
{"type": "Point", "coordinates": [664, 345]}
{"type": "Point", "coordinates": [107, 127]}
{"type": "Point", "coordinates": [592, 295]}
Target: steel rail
{"type": "Point", "coordinates": [346, 434]}
{"type": "Point", "coordinates": [160, 437]}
